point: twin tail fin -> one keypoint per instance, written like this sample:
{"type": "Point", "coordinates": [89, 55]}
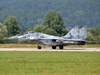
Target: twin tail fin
{"type": "Point", "coordinates": [75, 33]}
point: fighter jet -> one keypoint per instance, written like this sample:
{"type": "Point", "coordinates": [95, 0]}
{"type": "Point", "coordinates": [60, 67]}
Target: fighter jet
{"type": "Point", "coordinates": [73, 37]}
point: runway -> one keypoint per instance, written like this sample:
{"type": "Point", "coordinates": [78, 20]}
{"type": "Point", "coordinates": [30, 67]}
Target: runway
{"type": "Point", "coordinates": [48, 49]}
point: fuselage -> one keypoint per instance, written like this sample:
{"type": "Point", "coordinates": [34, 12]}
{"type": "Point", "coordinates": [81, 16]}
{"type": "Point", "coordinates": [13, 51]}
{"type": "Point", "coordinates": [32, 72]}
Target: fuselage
{"type": "Point", "coordinates": [44, 39]}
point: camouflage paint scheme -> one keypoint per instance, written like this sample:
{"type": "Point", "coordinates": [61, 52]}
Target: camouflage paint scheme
{"type": "Point", "coordinates": [73, 37]}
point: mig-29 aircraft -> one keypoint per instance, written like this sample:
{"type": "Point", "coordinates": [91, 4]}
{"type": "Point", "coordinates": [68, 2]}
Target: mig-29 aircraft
{"type": "Point", "coordinates": [73, 37]}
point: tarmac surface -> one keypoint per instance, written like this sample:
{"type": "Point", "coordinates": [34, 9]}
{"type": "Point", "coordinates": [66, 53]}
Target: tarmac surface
{"type": "Point", "coordinates": [48, 49]}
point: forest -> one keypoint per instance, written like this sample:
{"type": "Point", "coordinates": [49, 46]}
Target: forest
{"type": "Point", "coordinates": [32, 12]}
{"type": "Point", "coordinates": [53, 25]}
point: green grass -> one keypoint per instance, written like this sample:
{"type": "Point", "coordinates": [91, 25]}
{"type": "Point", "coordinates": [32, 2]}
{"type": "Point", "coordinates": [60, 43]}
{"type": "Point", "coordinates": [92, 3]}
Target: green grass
{"type": "Point", "coordinates": [49, 63]}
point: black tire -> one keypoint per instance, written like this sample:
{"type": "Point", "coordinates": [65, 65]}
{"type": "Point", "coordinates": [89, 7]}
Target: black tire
{"type": "Point", "coordinates": [60, 47]}
{"type": "Point", "coordinates": [39, 47]}
{"type": "Point", "coordinates": [53, 47]}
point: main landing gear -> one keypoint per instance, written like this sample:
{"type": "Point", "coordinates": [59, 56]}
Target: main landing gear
{"type": "Point", "coordinates": [60, 47]}
{"type": "Point", "coordinates": [54, 47]}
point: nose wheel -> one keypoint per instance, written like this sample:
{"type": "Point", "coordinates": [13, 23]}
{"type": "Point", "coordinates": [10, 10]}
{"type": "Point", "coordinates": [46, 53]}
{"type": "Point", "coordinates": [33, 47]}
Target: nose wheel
{"type": "Point", "coordinates": [39, 47]}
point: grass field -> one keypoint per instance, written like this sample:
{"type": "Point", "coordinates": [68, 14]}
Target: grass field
{"type": "Point", "coordinates": [49, 63]}
{"type": "Point", "coordinates": [46, 46]}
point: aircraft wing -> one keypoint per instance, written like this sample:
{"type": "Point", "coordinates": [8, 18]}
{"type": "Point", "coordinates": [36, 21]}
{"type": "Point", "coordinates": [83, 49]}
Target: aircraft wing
{"type": "Point", "coordinates": [60, 39]}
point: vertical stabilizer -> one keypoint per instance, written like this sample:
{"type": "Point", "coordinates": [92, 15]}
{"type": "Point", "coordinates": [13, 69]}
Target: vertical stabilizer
{"type": "Point", "coordinates": [72, 34]}
{"type": "Point", "coordinates": [83, 33]}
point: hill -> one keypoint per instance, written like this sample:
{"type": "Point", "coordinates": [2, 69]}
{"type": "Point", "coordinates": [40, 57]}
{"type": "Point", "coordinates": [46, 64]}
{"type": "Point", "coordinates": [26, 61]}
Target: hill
{"type": "Point", "coordinates": [32, 12]}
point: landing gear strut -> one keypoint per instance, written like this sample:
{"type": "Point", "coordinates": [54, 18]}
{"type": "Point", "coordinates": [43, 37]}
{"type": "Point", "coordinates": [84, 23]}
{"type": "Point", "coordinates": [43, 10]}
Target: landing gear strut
{"type": "Point", "coordinates": [39, 47]}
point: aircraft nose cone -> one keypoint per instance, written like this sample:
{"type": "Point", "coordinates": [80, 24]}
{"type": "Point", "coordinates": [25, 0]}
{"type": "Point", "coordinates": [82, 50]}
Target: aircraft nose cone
{"type": "Point", "coordinates": [13, 38]}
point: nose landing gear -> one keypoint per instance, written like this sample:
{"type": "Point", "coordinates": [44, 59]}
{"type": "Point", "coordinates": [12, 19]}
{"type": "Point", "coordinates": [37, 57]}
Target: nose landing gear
{"type": "Point", "coordinates": [39, 47]}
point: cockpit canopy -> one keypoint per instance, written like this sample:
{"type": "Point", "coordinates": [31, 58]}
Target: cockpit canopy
{"type": "Point", "coordinates": [29, 32]}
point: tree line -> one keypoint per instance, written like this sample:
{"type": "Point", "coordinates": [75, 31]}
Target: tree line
{"type": "Point", "coordinates": [53, 24]}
